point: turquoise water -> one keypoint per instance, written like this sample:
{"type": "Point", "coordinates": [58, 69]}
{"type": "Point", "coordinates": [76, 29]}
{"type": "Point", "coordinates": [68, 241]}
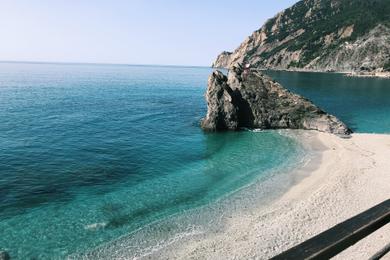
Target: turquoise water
{"type": "Point", "coordinates": [362, 103]}
{"type": "Point", "coordinates": [90, 153]}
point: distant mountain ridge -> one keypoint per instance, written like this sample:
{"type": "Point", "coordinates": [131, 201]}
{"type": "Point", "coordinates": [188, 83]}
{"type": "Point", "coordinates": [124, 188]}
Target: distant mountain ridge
{"type": "Point", "coordinates": [320, 35]}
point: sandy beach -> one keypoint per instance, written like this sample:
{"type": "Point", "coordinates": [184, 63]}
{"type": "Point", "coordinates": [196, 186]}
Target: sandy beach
{"type": "Point", "coordinates": [384, 75]}
{"type": "Point", "coordinates": [347, 177]}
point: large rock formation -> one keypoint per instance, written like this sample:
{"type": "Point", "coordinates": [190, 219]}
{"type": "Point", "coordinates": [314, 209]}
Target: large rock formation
{"type": "Point", "coordinates": [248, 99]}
{"type": "Point", "coordinates": [320, 35]}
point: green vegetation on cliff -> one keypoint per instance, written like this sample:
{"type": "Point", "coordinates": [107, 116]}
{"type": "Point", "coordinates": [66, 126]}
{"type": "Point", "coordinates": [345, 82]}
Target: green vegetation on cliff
{"type": "Point", "coordinates": [320, 35]}
{"type": "Point", "coordinates": [331, 16]}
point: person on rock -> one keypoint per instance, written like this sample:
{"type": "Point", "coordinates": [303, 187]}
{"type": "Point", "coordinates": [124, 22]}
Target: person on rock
{"type": "Point", "coordinates": [245, 73]}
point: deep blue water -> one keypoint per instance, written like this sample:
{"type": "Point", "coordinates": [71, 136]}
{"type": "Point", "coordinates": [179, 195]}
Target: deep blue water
{"type": "Point", "coordinates": [90, 153]}
{"type": "Point", "coordinates": [362, 103]}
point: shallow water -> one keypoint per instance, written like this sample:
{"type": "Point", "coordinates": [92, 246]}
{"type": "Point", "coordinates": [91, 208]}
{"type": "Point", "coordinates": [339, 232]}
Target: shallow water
{"type": "Point", "coordinates": [91, 153]}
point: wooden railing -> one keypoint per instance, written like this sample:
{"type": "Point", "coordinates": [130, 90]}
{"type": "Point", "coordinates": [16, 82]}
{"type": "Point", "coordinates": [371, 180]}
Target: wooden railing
{"type": "Point", "coordinates": [336, 239]}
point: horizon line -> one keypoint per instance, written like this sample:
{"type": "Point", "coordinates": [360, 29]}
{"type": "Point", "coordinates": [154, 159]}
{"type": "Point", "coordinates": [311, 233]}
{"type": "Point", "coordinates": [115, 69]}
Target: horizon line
{"type": "Point", "coordinates": [101, 63]}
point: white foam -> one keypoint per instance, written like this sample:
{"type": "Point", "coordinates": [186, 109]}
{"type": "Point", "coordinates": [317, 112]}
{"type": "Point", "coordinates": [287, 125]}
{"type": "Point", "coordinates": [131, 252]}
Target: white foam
{"type": "Point", "coordinates": [95, 226]}
{"type": "Point", "coordinates": [258, 130]}
{"type": "Point", "coordinates": [150, 250]}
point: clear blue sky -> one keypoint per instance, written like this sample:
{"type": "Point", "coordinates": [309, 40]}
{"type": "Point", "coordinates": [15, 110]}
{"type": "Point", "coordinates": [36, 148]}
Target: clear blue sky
{"type": "Point", "coordinates": [176, 32]}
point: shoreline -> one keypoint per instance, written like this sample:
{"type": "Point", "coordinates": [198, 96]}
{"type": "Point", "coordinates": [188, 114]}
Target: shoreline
{"type": "Point", "coordinates": [379, 75]}
{"type": "Point", "coordinates": [151, 240]}
{"type": "Point", "coordinates": [352, 74]}
{"type": "Point", "coordinates": [345, 178]}
{"type": "Point", "coordinates": [337, 180]}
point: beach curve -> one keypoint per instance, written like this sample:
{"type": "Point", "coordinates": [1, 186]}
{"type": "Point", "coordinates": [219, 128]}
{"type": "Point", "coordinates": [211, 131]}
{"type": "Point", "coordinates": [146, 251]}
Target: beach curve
{"type": "Point", "coordinates": [350, 176]}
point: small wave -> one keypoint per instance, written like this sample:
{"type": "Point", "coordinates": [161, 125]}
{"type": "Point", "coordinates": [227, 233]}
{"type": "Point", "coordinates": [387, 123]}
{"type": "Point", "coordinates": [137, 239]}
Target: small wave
{"type": "Point", "coordinates": [258, 130]}
{"type": "Point", "coordinates": [95, 226]}
{"type": "Point", "coordinates": [125, 248]}
{"type": "Point", "coordinates": [254, 130]}
{"type": "Point", "coordinates": [178, 237]}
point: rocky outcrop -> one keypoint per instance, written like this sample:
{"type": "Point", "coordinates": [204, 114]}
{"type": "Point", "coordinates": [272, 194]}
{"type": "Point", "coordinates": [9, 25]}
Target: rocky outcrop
{"type": "Point", "coordinates": [223, 60]}
{"type": "Point", "coordinates": [320, 35]}
{"type": "Point", "coordinates": [4, 255]}
{"type": "Point", "coordinates": [248, 99]}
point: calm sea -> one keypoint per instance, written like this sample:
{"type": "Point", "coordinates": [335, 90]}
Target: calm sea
{"type": "Point", "coordinates": [92, 153]}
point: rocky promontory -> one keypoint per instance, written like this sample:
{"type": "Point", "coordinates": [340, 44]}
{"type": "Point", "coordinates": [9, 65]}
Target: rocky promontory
{"type": "Point", "coordinates": [246, 98]}
{"type": "Point", "coordinates": [320, 35]}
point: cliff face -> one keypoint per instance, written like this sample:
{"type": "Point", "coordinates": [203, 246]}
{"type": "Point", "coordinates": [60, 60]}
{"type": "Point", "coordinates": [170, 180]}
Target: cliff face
{"type": "Point", "coordinates": [223, 60]}
{"type": "Point", "coordinates": [247, 98]}
{"type": "Point", "coordinates": [340, 35]}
